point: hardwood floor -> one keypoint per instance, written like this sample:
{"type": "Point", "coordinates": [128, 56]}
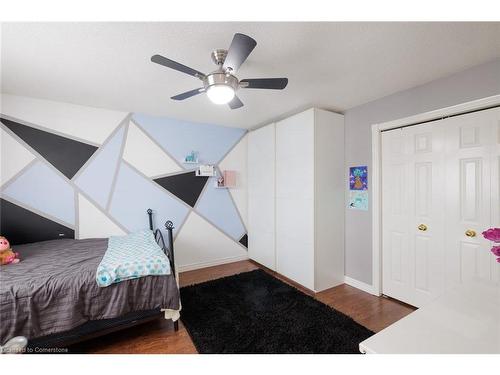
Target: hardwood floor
{"type": "Point", "coordinates": [159, 336]}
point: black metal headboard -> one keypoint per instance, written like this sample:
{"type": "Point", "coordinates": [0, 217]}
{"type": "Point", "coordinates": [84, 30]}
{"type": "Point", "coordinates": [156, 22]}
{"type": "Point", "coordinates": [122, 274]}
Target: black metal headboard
{"type": "Point", "coordinates": [168, 250]}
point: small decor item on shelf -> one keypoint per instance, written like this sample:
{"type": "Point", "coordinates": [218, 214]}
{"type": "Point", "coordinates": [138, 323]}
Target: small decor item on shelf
{"type": "Point", "coordinates": [205, 171]}
{"type": "Point", "coordinates": [191, 158]}
{"type": "Point", "coordinates": [493, 235]}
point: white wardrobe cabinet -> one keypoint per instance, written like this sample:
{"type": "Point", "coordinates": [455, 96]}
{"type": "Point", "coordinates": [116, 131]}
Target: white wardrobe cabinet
{"type": "Point", "coordinates": [306, 198]}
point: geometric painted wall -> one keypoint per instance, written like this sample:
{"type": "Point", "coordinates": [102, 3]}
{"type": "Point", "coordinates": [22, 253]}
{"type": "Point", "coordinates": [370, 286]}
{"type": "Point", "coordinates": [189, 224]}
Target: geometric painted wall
{"type": "Point", "coordinates": [102, 185]}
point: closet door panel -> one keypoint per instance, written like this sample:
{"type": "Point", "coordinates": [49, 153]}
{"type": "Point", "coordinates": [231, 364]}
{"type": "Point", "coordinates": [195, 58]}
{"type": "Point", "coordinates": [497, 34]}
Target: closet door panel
{"type": "Point", "coordinates": [261, 196]}
{"type": "Point", "coordinates": [395, 208]}
{"type": "Point", "coordinates": [426, 207]}
{"type": "Point", "coordinates": [495, 189]}
{"type": "Point", "coordinates": [413, 244]}
{"type": "Point", "coordinates": [470, 185]}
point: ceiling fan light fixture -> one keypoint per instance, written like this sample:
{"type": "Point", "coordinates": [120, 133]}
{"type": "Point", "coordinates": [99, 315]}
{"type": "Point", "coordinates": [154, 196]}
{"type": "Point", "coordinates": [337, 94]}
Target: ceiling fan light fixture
{"type": "Point", "coordinates": [221, 85]}
{"type": "Point", "coordinates": [220, 94]}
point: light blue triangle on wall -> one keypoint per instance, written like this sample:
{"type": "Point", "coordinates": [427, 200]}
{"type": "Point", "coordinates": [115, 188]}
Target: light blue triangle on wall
{"type": "Point", "coordinates": [179, 138]}
{"type": "Point", "coordinates": [97, 177]}
{"type": "Point", "coordinates": [42, 189]}
{"type": "Point", "coordinates": [217, 206]}
{"type": "Point", "coordinates": [134, 194]}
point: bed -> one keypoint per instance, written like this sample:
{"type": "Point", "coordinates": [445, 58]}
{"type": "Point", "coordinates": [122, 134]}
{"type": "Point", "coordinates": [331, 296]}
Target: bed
{"type": "Point", "coordinates": [52, 298]}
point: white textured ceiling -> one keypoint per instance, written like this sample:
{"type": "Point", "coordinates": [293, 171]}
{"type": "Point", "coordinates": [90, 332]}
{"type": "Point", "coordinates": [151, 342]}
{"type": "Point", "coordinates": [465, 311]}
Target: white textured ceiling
{"type": "Point", "coordinates": [329, 65]}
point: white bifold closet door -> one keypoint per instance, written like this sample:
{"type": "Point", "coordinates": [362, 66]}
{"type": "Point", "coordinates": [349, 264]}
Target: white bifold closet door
{"type": "Point", "coordinates": [439, 192]}
{"type": "Point", "coordinates": [413, 215]}
{"type": "Point", "coordinates": [472, 179]}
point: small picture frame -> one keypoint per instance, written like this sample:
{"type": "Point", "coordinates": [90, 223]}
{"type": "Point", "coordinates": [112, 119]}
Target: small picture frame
{"type": "Point", "coordinates": [358, 178]}
{"type": "Point", "coordinates": [227, 179]}
{"type": "Point", "coordinates": [205, 170]}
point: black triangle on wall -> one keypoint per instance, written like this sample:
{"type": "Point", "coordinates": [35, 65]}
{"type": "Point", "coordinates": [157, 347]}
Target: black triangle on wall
{"type": "Point", "coordinates": [20, 225]}
{"type": "Point", "coordinates": [185, 186]}
{"type": "Point", "coordinates": [244, 240]}
{"type": "Point", "coordinates": [67, 155]}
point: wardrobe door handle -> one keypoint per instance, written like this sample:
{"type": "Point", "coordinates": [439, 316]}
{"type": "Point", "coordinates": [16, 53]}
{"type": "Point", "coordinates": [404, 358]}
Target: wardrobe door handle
{"type": "Point", "coordinates": [422, 227]}
{"type": "Point", "coordinates": [470, 233]}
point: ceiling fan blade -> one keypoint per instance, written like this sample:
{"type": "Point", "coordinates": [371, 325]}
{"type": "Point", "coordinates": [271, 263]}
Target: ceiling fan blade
{"type": "Point", "coordinates": [176, 66]}
{"type": "Point", "coordinates": [235, 103]}
{"type": "Point", "coordinates": [241, 46]}
{"type": "Point", "coordinates": [264, 83]}
{"type": "Point", "coordinates": [188, 94]}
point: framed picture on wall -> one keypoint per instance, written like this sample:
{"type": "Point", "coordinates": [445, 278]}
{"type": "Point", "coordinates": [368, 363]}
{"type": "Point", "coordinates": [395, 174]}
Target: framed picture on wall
{"type": "Point", "coordinates": [358, 188]}
{"type": "Point", "coordinates": [358, 178]}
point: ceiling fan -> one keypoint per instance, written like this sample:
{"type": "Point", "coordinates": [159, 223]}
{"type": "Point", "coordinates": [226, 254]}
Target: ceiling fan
{"type": "Point", "coordinates": [221, 85]}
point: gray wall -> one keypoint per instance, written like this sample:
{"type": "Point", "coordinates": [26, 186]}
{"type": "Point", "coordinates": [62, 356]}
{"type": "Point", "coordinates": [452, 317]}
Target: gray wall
{"type": "Point", "coordinates": [478, 82]}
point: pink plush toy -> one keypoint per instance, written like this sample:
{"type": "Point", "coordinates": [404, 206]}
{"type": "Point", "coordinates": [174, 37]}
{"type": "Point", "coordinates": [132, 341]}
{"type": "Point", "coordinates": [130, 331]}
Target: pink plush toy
{"type": "Point", "coordinates": [7, 256]}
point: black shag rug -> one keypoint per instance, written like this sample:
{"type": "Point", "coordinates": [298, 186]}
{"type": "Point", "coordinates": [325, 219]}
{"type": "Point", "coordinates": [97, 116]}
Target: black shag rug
{"type": "Point", "coordinates": [254, 312]}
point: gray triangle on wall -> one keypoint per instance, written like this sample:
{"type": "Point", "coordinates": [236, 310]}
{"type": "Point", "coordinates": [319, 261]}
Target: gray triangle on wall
{"type": "Point", "coordinates": [65, 154]}
{"type": "Point", "coordinates": [244, 240]}
{"type": "Point", "coordinates": [20, 225]}
{"type": "Point", "coordinates": [185, 186]}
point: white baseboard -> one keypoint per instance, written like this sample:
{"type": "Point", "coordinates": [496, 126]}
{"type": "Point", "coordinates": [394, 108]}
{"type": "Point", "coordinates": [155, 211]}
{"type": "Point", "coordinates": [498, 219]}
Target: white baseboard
{"type": "Point", "coordinates": [360, 285]}
{"type": "Point", "coordinates": [211, 263]}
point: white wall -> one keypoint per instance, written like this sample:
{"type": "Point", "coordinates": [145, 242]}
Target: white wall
{"type": "Point", "coordinates": [474, 83]}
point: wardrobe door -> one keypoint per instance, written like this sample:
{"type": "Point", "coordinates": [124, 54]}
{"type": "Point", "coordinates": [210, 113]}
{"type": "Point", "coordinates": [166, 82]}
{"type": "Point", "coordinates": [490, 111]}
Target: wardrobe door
{"type": "Point", "coordinates": [261, 196]}
{"type": "Point", "coordinates": [295, 198]}
{"type": "Point", "coordinates": [471, 185]}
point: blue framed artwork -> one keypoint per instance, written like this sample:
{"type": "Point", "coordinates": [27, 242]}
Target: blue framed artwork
{"type": "Point", "coordinates": [358, 178]}
{"type": "Point", "coordinates": [358, 188]}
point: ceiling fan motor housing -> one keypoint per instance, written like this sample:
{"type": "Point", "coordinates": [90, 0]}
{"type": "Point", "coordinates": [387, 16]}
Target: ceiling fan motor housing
{"type": "Point", "coordinates": [219, 56]}
{"type": "Point", "coordinates": [221, 78]}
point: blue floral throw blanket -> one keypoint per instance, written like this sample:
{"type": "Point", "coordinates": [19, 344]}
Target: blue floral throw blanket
{"type": "Point", "coordinates": [131, 256]}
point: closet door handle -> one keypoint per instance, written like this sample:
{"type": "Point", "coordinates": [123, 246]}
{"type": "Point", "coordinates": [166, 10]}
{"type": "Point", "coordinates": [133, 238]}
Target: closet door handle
{"type": "Point", "coordinates": [422, 227]}
{"type": "Point", "coordinates": [470, 233]}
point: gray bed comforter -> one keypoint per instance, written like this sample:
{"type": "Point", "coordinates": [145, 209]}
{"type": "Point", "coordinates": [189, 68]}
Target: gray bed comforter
{"type": "Point", "coordinates": [53, 289]}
